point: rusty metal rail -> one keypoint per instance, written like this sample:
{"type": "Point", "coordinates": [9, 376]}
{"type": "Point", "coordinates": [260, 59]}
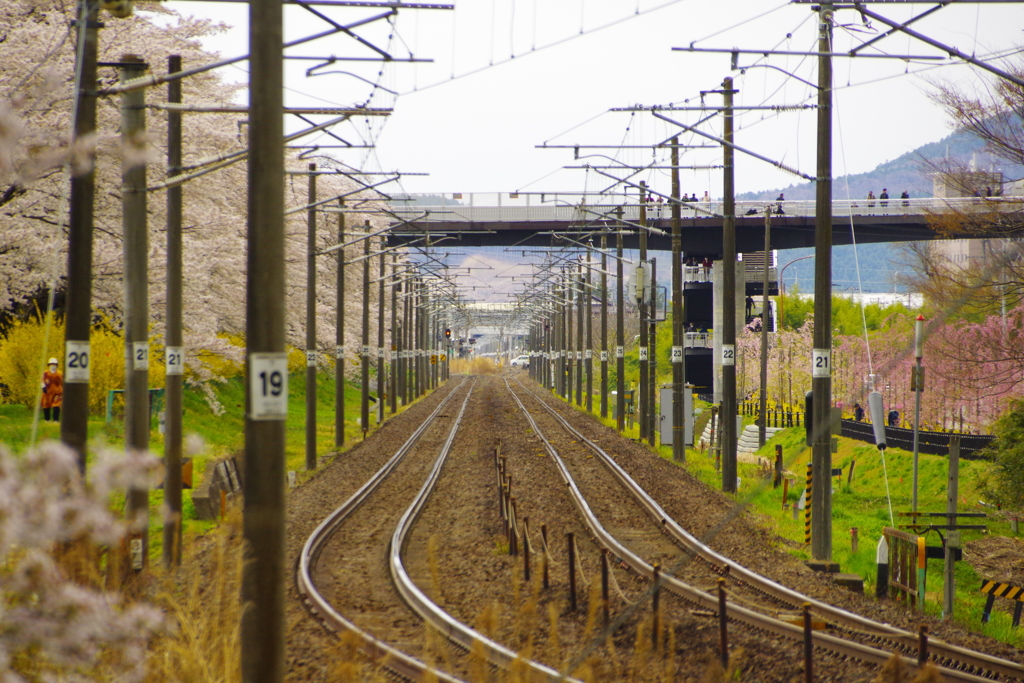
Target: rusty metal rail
{"type": "Point", "coordinates": [956, 663]}
{"type": "Point", "coordinates": [461, 635]}
{"type": "Point", "coordinates": [428, 610]}
{"type": "Point", "coordinates": [393, 659]}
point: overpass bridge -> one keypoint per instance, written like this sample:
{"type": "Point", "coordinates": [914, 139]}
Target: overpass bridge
{"type": "Point", "coordinates": [533, 220]}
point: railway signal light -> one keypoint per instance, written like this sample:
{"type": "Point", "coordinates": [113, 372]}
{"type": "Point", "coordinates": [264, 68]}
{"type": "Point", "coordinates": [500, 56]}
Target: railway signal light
{"type": "Point", "coordinates": [447, 334]}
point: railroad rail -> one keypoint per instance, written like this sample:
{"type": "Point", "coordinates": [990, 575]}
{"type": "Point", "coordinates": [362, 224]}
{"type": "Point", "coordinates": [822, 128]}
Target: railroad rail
{"type": "Point", "coordinates": [464, 637]}
{"type": "Point", "coordinates": [955, 663]}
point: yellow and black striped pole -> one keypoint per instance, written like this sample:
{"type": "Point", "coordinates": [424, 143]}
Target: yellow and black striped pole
{"type": "Point", "coordinates": [807, 507]}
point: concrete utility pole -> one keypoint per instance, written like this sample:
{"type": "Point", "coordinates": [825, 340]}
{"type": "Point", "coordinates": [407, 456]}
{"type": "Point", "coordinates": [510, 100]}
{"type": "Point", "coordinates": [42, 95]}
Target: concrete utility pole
{"type": "Point", "coordinates": [78, 317]}
{"type": "Point", "coordinates": [821, 356]}
{"type": "Point", "coordinates": [642, 404]}
{"type": "Point", "coordinates": [392, 355]}
{"type": "Point", "coordinates": [762, 427]}
{"type": "Point", "coordinates": [135, 238]}
{"type": "Point", "coordinates": [728, 412]}
{"type": "Point", "coordinates": [620, 332]}
{"type": "Point", "coordinates": [652, 363]}
{"type": "Point", "coordinates": [580, 292]}
{"type": "Point", "coordinates": [339, 337]}
{"type": "Point", "coordinates": [604, 325]}
{"type": "Point", "coordinates": [382, 381]}
{"type": "Point", "coordinates": [364, 412]}
{"type": "Point", "coordinates": [588, 351]}
{"type": "Point", "coordinates": [174, 356]}
{"type": "Point", "coordinates": [678, 360]}
{"type": "Point", "coordinates": [262, 632]}
{"type": "Point", "coordinates": [570, 338]}
{"type": "Point", "coordinates": [311, 323]}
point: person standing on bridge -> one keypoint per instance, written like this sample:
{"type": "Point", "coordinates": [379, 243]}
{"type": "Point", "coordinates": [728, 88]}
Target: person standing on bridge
{"type": "Point", "coordinates": [884, 197]}
{"type": "Point", "coordinates": [905, 197]}
{"type": "Point", "coordinates": [778, 207]}
{"type": "Point", "coordinates": [871, 199]}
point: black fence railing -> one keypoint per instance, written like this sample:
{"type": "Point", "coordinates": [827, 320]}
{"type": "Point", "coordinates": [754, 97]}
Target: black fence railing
{"type": "Point", "coordinates": [933, 443]}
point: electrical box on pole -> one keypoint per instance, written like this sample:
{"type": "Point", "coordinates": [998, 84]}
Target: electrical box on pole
{"type": "Point", "coordinates": [665, 417]}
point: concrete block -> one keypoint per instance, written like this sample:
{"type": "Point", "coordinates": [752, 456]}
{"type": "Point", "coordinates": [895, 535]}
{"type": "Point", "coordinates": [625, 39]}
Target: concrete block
{"type": "Point", "coordinates": [853, 582]}
{"type": "Point", "coordinates": [222, 475]}
{"type": "Point", "coordinates": [822, 566]}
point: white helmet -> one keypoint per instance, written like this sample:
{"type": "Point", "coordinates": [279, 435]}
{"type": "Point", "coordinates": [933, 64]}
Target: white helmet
{"type": "Point", "coordinates": [52, 361]}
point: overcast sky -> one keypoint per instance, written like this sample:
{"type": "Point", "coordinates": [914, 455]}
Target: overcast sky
{"type": "Point", "coordinates": [473, 117]}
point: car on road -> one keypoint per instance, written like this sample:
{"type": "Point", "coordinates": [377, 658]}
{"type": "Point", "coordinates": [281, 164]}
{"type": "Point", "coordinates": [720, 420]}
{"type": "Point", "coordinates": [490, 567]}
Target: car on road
{"type": "Point", "coordinates": [521, 362]}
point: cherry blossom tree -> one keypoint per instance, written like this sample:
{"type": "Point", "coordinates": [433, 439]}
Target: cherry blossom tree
{"type": "Point", "coordinates": [36, 78]}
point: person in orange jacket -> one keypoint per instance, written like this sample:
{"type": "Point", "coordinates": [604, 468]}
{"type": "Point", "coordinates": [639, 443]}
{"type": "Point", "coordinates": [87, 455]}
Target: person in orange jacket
{"type": "Point", "coordinates": [53, 391]}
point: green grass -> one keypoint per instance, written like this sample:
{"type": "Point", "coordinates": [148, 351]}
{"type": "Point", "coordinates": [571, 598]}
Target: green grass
{"type": "Point", "coordinates": [864, 505]}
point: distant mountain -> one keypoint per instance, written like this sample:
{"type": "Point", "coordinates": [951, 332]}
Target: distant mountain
{"type": "Point", "coordinates": [908, 172]}
{"type": "Point", "coordinates": [879, 263]}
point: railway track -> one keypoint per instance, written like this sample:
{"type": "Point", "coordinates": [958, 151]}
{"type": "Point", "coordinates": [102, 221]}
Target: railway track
{"type": "Point", "coordinates": [956, 663]}
{"type": "Point", "coordinates": [324, 554]}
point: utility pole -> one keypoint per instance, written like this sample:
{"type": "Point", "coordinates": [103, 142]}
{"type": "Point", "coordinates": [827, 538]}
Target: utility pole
{"type": "Point", "coordinates": [382, 381]}
{"type": "Point", "coordinates": [762, 427]}
{"type": "Point", "coordinates": [620, 332]}
{"type": "Point", "coordinates": [604, 325]}
{"type": "Point", "coordinates": [392, 355]}
{"type": "Point", "coordinates": [678, 364]}
{"type": "Point", "coordinates": [642, 404]}
{"type": "Point", "coordinates": [728, 411]}
{"type": "Point", "coordinates": [364, 405]}
{"type": "Point", "coordinates": [263, 578]}
{"type": "Point", "coordinates": [339, 337]}
{"type": "Point", "coordinates": [652, 363]}
{"type": "Point", "coordinates": [821, 357]}
{"type": "Point", "coordinates": [580, 291]}
{"type": "Point", "coordinates": [78, 318]}
{"type": "Point", "coordinates": [311, 323]}
{"type": "Point", "coordinates": [917, 385]}
{"type": "Point", "coordinates": [588, 352]}
{"type": "Point", "coordinates": [174, 356]}
{"type": "Point", "coordinates": [135, 238]}
{"type": "Point", "coordinates": [570, 338]}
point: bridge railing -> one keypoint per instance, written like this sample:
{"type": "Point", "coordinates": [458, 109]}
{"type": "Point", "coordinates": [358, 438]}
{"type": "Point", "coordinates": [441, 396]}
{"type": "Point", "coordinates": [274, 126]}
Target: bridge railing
{"type": "Point", "coordinates": [605, 214]}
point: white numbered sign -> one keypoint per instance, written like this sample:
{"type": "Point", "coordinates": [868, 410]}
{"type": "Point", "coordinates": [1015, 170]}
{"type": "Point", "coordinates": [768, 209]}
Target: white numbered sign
{"type": "Point", "coordinates": [380, 352]}
{"type": "Point", "coordinates": [366, 350]}
{"type": "Point", "coordinates": [310, 358]}
{"type": "Point", "coordinates": [677, 354]}
{"type": "Point", "coordinates": [579, 355]}
{"type": "Point", "coordinates": [643, 353]}
{"type": "Point", "coordinates": [174, 359]}
{"type": "Point", "coordinates": [604, 356]}
{"type": "Point", "coordinates": [728, 354]}
{"type": "Point", "coordinates": [140, 355]}
{"type": "Point", "coordinates": [821, 363]}
{"type": "Point", "coordinates": [268, 386]}
{"type": "Point", "coordinates": [588, 354]}
{"type": "Point", "coordinates": [339, 353]}
{"type": "Point", "coordinates": [619, 352]}
{"type": "Point", "coordinates": [76, 362]}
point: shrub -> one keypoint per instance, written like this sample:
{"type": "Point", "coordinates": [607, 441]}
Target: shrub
{"type": "Point", "coordinates": [22, 362]}
{"type": "Point", "coordinates": [23, 356]}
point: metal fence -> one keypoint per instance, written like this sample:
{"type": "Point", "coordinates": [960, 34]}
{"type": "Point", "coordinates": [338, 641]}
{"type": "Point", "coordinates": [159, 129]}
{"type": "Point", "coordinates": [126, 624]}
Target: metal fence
{"type": "Point", "coordinates": [932, 443]}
